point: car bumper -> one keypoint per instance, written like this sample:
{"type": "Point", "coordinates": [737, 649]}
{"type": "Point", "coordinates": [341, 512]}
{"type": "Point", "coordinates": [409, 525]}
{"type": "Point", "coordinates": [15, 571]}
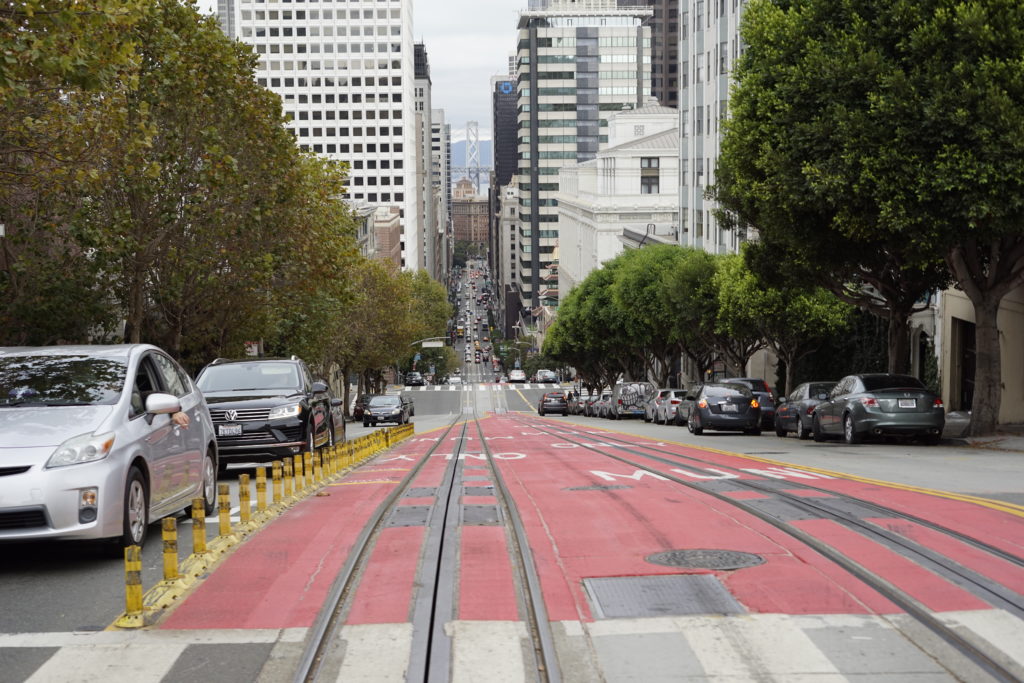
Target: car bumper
{"type": "Point", "coordinates": [44, 504]}
{"type": "Point", "coordinates": [881, 424]}
{"type": "Point", "coordinates": [727, 422]}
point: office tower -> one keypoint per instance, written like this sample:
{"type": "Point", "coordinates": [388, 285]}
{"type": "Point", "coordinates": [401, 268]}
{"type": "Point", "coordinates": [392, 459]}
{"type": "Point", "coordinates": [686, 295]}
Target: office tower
{"type": "Point", "coordinates": [345, 73]}
{"type": "Point", "coordinates": [665, 29]}
{"type": "Point", "coordinates": [578, 62]}
{"type": "Point", "coordinates": [503, 128]}
{"type": "Point", "coordinates": [441, 179]}
{"type": "Point", "coordinates": [427, 210]}
{"type": "Point", "coordinates": [709, 46]}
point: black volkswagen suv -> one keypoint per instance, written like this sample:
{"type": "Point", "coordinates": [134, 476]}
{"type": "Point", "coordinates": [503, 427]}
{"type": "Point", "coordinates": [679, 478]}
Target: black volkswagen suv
{"type": "Point", "coordinates": [267, 408]}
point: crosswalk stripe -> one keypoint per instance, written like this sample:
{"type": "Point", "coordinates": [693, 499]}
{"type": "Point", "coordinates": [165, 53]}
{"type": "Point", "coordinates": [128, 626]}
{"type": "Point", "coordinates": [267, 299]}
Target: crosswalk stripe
{"type": "Point", "coordinates": [483, 386]}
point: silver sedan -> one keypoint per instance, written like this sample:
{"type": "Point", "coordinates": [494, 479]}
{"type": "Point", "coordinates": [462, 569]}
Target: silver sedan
{"type": "Point", "coordinates": [98, 441]}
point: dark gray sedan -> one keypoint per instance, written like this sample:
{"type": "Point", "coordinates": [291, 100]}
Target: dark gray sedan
{"type": "Point", "coordinates": [725, 406]}
{"type": "Point", "coordinates": [795, 413]}
{"type": "Point", "coordinates": [880, 404]}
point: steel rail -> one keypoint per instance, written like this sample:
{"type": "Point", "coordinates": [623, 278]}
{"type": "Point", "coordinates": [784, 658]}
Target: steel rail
{"type": "Point", "coordinates": [973, 651]}
{"type": "Point", "coordinates": [548, 669]}
{"type": "Point", "coordinates": [327, 624]}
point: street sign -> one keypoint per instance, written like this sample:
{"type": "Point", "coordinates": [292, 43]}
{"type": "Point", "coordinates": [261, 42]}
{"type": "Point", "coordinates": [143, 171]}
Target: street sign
{"type": "Point", "coordinates": [416, 357]}
{"type": "Point", "coordinates": [435, 344]}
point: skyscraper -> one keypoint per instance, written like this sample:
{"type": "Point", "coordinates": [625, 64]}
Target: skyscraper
{"type": "Point", "coordinates": [578, 60]}
{"type": "Point", "coordinates": [345, 77]}
{"type": "Point", "coordinates": [665, 29]}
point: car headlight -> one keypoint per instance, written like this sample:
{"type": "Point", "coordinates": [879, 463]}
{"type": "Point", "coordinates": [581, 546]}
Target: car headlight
{"type": "Point", "coordinates": [290, 410]}
{"type": "Point", "coordinates": [396, 411]}
{"type": "Point", "coordinates": [82, 449]}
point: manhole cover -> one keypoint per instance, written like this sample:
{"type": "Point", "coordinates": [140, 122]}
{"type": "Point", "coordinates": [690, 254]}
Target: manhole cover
{"type": "Point", "coordinates": [706, 559]}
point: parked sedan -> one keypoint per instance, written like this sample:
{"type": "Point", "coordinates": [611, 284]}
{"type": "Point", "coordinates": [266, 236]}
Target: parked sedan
{"type": "Point", "coordinates": [725, 406]}
{"type": "Point", "coordinates": [651, 404]}
{"type": "Point", "coordinates": [553, 402]}
{"type": "Point", "coordinates": [603, 405]}
{"type": "Point", "coordinates": [397, 409]}
{"type": "Point", "coordinates": [667, 411]}
{"type": "Point", "coordinates": [795, 413]}
{"type": "Point", "coordinates": [880, 404]}
{"type": "Point", "coordinates": [93, 446]}
{"type": "Point", "coordinates": [765, 397]}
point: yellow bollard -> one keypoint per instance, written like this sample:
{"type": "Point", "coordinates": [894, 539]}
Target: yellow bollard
{"type": "Point", "coordinates": [308, 457]}
{"type": "Point", "coordinates": [170, 536]}
{"type": "Point", "coordinates": [278, 484]}
{"type": "Point", "coordinates": [198, 526]}
{"type": "Point", "coordinates": [318, 467]}
{"type": "Point", "coordinates": [332, 461]}
{"type": "Point", "coordinates": [288, 481]}
{"type": "Point", "coordinates": [244, 502]}
{"type": "Point", "coordinates": [133, 580]}
{"type": "Point", "coordinates": [261, 489]}
{"type": "Point", "coordinates": [300, 479]}
{"type": "Point", "coordinates": [224, 504]}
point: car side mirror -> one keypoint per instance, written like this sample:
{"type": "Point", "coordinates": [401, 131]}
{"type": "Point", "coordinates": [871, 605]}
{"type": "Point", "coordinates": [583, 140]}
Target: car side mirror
{"type": "Point", "coordinates": [335, 402]}
{"type": "Point", "coordinates": [781, 399]}
{"type": "Point", "coordinates": [162, 404]}
{"type": "Point", "coordinates": [319, 386]}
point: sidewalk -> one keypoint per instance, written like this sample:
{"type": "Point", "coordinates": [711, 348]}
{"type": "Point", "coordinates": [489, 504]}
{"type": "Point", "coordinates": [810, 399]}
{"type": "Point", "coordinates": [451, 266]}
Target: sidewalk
{"type": "Point", "coordinates": [1008, 437]}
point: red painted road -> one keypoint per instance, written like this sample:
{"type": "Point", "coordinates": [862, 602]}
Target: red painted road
{"type": "Point", "coordinates": [579, 528]}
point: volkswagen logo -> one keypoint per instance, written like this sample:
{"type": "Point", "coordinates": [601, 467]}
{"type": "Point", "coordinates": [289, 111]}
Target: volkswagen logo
{"type": "Point", "coordinates": [230, 415]}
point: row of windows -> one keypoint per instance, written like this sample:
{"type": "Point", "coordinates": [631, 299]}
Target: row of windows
{"type": "Point", "coordinates": [558, 123]}
{"type": "Point", "coordinates": [357, 148]}
{"type": "Point", "coordinates": [343, 115]}
{"type": "Point", "coordinates": [384, 163]}
{"type": "Point", "coordinates": [340, 48]}
{"type": "Point", "coordinates": [550, 155]}
{"type": "Point", "coordinates": [372, 197]}
{"type": "Point", "coordinates": [303, 82]}
{"type": "Point", "coordinates": [562, 139]}
{"type": "Point", "coordinates": [287, 31]}
{"type": "Point", "coordinates": [343, 98]}
{"type": "Point", "coordinates": [570, 41]}
{"type": "Point", "coordinates": [355, 132]}
{"type": "Point", "coordinates": [373, 180]}
{"type": "Point", "coordinates": [318, 15]}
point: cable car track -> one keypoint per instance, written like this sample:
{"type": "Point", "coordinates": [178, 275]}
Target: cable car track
{"type": "Point", "coordinates": [980, 653]}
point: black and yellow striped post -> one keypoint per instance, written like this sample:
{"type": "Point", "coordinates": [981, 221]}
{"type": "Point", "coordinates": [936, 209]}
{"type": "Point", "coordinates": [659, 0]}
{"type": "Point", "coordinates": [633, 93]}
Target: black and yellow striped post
{"type": "Point", "coordinates": [318, 467]}
{"type": "Point", "coordinates": [224, 509]}
{"type": "Point", "coordinates": [261, 489]}
{"type": "Point", "coordinates": [288, 481]}
{"type": "Point", "coordinates": [244, 501]}
{"type": "Point", "coordinates": [275, 472]}
{"type": "Point", "coordinates": [132, 617]}
{"type": "Point", "coordinates": [170, 538]}
{"type": "Point", "coordinates": [308, 458]}
{"type": "Point", "coordinates": [300, 478]}
{"type": "Point", "coordinates": [198, 526]}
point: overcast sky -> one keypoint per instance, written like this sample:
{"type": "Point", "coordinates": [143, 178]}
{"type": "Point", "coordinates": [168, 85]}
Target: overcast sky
{"type": "Point", "coordinates": [468, 41]}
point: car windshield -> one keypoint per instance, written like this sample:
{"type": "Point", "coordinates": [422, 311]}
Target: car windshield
{"type": "Point", "coordinates": [256, 376]}
{"type": "Point", "coordinates": [377, 401]}
{"type": "Point", "coordinates": [726, 390]}
{"type": "Point", "coordinates": [876, 382]}
{"type": "Point", "coordinates": [56, 380]}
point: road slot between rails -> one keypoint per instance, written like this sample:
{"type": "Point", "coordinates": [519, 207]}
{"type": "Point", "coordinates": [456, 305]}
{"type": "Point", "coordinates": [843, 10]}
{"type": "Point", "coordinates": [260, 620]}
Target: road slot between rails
{"type": "Point", "coordinates": [292, 480]}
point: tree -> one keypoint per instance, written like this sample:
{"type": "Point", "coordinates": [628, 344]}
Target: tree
{"type": "Point", "coordinates": [892, 127]}
{"type": "Point", "coordinates": [794, 321]}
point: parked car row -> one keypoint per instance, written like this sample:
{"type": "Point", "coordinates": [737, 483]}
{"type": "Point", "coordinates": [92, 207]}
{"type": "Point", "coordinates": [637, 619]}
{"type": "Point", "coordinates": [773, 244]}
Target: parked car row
{"type": "Point", "coordinates": [853, 409]}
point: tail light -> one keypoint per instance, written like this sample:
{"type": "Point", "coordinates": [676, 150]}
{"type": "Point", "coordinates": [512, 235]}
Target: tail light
{"type": "Point", "coordinates": [869, 401]}
{"type": "Point", "coordinates": [810, 410]}
{"type": "Point", "coordinates": [754, 403]}
{"type": "Point", "coordinates": [703, 403]}
{"type": "Point", "coordinates": [675, 401]}
{"type": "Point", "coordinates": [937, 403]}
{"type": "Point", "coordinates": [620, 401]}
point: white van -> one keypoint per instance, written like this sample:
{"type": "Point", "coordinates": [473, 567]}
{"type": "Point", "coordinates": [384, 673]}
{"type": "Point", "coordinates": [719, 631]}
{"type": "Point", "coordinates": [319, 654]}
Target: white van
{"type": "Point", "coordinates": [628, 399]}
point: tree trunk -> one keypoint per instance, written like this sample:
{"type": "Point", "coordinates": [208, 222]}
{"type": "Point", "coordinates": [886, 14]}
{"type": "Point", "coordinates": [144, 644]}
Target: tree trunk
{"type": "Point", "coordinates": [899, 342]}
{"type": "Point", "coordinates": [987, 369]}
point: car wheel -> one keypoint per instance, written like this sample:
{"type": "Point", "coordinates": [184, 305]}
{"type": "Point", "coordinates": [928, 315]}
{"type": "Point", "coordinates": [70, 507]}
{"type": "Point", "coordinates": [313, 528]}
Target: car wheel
{"type": "Point", "coordinates": [780, 431]}
{"type": "Point", "coordinates": [209, 486]}
{"type": "Point", "coordinates": [850, 434]}
{"type": "Point", "coordinates": [136, 510]}
{"type": "Point", "coordinates": [366, 423]}
{"type": "Point", "coordinates": [646, 418]}
{"type": "Point", "coordinates": [819, 435]}
{"type": "Point", "coordinates": [694, 426]}
{"type": "Point", "coordinates": [801, 432]}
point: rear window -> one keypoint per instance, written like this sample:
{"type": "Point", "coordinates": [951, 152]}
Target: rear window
{"type": "Point", "coordinates": [874, 383]}
{"type": "Point", "coordinates": [753, 384]}
{"type": "Point", "coordinates": [820, 388]}
{"type": "Point", "coordinates": [736, 389]}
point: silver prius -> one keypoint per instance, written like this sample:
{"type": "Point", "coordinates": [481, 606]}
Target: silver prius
{"type": "Point", "coordinates": [91, 446]}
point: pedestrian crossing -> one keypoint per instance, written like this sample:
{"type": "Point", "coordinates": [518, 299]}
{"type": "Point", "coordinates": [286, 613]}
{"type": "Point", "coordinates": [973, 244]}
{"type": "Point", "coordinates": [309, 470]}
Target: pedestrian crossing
{"type": "Point", "coordinates": [485, 386]}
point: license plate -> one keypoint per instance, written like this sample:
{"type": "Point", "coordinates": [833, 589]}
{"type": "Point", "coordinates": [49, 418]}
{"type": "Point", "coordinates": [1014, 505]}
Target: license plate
{"type": "Point", "coordinates": [229, 430]}
{"type": "Point", "coordinates": [730, 408]}
{"type": "Point", "coordinates": [908, 403]}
